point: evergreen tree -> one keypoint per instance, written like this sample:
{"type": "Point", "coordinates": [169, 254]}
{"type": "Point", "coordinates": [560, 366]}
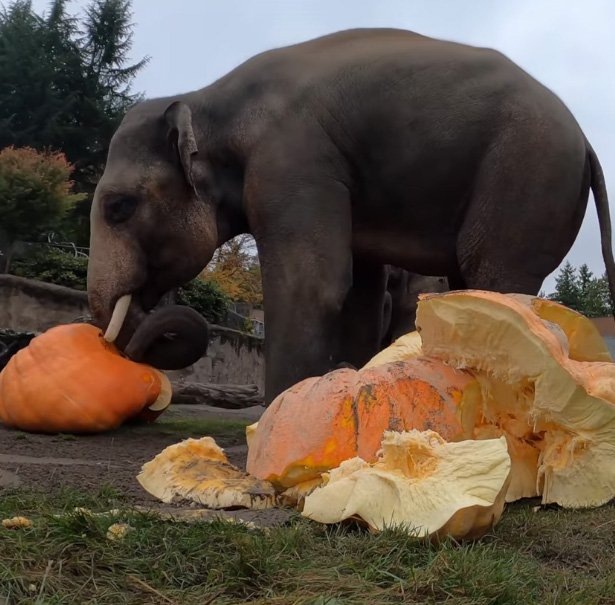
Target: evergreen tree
{"type": "Point", "coordinates": [567, 289]}
{"type": "Point", "coordinates": [602, 293]}
{"type": "Point", "coordinates": [65, 85]}
{"type": "Point", "coordinates": [583, 292]}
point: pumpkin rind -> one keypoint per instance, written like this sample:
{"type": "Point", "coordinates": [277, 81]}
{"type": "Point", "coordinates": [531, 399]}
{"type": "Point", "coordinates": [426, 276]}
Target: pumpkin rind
{"type": "Point", "coordinates": [69, 379]}
{"type": "Point", "coordinates": [320, 422]}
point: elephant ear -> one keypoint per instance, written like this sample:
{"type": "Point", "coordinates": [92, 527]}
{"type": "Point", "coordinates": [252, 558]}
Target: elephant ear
{"type": "Point", "coordinates": [181, 135]}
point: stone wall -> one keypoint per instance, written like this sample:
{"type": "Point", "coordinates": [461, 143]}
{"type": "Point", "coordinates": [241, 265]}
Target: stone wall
{"type": "Point", "coordinates": [33, 306]}
{"type": "Point", "coordinates": [28, 305]}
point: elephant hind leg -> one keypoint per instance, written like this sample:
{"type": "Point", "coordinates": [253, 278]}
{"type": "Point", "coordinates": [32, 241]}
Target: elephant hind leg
{"type": "Point", "coordinates": [363, 313]}
{"type": "Point", "coordinates": [526, 210]}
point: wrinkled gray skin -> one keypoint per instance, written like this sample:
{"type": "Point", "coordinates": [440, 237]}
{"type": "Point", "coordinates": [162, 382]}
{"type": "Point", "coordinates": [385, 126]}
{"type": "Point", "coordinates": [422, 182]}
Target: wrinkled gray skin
{"type": "Point", "coordinates": [401, 298]}
{"type": "Point", "coordinates": [342, 155]}
{"type": "Point", "coordinates": [170, 338]}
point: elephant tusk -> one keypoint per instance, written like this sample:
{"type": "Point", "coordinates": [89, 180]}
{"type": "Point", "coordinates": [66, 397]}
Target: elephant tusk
{"type": "Point", "coordinates": [118, 317]}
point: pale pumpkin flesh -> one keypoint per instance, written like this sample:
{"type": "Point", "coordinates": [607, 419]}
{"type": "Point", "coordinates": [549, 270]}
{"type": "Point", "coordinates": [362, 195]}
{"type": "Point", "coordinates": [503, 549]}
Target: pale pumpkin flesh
{"type": "Point", "coordinates": [408, 346]}
{"type": "Point", "coordinates": [197, 470]}
{"type": "Point", "coordinates": [420, 484]}
{"type": "Point", "coordinates": [557, 413]}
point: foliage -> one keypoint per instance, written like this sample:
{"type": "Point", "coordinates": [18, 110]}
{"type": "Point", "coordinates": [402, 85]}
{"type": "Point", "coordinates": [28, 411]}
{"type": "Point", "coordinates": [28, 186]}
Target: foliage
{"type": "Point", "coordinates": [205, 297]}
{"type": "Point", "coordinates": [235, 268]}
{"type": "Point", "coordinates": [65, 84]}
{"type": "Point", "coordinates": [582, 291]}
{"type": "Point", "coordinates": [53, 266]}
{"type": "Point", "coordinates": [35, 192]}
{"type": "Point", "coordinates": [57, 267]}
{"type": "Point", "coordinates": [567, 290]}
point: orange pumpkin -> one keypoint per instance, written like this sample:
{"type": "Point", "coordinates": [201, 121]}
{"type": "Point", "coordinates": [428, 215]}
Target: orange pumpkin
{"type": "Point", "coordinates": [318, 423]}
{"type": "Point", "coordinates": [69, 379]}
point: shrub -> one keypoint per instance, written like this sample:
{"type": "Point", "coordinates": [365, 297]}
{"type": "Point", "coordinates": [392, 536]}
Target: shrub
{"type": "Point", "coordinates": [35, 193]}
{"type": "Point", "coordinates": [206, 297]}
{"type": "Point", "coordinates": [53, 266]}
{"type": "Point", "coordinates": [64, 269]}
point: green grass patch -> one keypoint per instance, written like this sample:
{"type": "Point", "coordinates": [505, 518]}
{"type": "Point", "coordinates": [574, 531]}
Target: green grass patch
{"type": "Point", "coordinates": [225, 429]}
{"type": "Point", "coordinates": [201, 426]}
{"type": "Point", "coordinates": [180, 427]}
{"type": "Point", "coordinates": [552, 556]}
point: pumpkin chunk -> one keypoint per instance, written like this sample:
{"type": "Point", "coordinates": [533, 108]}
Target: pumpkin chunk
{"type": "Point", "coordinates": [559, 410]}
{"type": "Point", "coordinates": [318, 423]}
{"type": "Point", "coordinates": [198, 470]}
{"type": "Point", "coordinates": [421, 484]}
{"type": "Point", "coordinates": [584, 340]}
{"type": "Point", "coordinates": [408, 346]}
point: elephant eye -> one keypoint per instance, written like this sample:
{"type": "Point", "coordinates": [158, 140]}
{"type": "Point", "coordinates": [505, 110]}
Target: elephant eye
{"type": "Point", "coordinates": [120, 209]}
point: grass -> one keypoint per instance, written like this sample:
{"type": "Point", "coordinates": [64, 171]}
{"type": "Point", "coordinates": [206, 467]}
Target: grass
{"type": "Point", "coordinates": [168, 425]}
{"type": "Point", "coordinates": [182, 427]}
{"type": "Point", "coordinates": [545, 557]}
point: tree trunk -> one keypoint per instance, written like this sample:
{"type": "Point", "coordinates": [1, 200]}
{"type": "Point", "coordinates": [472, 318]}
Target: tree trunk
{"type": "Point", "coordinates": [7, 256]}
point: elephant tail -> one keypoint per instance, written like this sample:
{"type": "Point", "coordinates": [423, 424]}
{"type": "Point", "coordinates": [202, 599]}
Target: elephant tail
{"type": "Point", "coordinates": [598, 186]}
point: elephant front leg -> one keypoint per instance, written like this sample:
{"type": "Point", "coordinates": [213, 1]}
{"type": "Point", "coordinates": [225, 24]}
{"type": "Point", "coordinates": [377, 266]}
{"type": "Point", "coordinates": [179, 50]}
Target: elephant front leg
{"type": "Point", "coordinates": [304, 294]}
{"type": "Point", "coordinates": [306, 265]}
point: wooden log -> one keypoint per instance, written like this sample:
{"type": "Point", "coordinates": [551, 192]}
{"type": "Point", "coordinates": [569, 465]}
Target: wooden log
{"type": "Point", "coordinates": [228, 396]}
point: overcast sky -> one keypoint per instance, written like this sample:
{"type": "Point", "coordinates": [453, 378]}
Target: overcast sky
{"type": "Point", "coordinates": [569, 45]}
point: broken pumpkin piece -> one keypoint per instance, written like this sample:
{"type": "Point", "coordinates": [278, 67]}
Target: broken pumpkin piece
{"type": "Point", "coordinates": [250, 430]}
{"type": "Point", "coordinates": [531, 389]}
{"type": "Point", "coordinates": [585, 342]}
{"type": "Point", "coordinates": [295, 496]}
{"type": "Point", "coordinates": [17, 523]}
{"type": "Point", "coordinates": [406, 347]}
{"type": "Point", "coordinates": [318, 423]}
{"type": "Point", "coordinates": [197, 470]}
{"type": "Point", "coordinates": [421, 484]}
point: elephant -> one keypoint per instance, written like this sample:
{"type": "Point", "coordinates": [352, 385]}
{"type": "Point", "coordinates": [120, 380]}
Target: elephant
{"type": "Point", "coordinates": [341, 155]}
{"type": "Point", "coordinates": [401, 298]}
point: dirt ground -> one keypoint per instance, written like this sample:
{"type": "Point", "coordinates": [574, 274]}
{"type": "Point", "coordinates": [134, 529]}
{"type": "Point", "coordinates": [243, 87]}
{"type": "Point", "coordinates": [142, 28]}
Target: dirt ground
{"type": "Point", "coordinates": [49, 462]}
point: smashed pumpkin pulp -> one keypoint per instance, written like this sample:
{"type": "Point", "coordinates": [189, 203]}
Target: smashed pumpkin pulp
{"type": "Point", "coordinates": [199, 471]}
{"type": "Point", "coordinates": [489, 365]}
{"type": "Point", "coordinates": [421, 484]}
{"type": "Point", "coordinates": [557, 412]}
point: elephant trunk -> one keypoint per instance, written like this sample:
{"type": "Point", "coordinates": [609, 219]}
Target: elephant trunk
{"type": "Point", "coordinates": [170, 338]}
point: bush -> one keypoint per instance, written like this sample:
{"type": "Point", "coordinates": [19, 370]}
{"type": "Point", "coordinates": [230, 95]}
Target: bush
{"type": "Point", "coordinates": [53, 266]}
{"type": "Point", "coordinates": [35, 192]}
{"type": "Point", "coordinates": [206, 297]}
{"type": "Point", "coordinates": [64, 269]}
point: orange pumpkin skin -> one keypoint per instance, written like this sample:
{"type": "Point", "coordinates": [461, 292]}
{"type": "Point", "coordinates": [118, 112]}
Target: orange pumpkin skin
{"type": "Point", "coordinates": [318, 423]}
{"type": "Point", "coordinates": [69, 379]}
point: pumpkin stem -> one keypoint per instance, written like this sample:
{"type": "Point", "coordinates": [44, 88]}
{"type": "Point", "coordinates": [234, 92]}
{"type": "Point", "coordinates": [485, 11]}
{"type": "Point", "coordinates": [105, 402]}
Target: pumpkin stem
{"type": "Point", "coordinates": [164, 397]}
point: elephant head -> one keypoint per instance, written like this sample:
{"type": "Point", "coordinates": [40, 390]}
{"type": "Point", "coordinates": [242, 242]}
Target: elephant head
{"type": "Point", "coordinates": [154, 226]}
